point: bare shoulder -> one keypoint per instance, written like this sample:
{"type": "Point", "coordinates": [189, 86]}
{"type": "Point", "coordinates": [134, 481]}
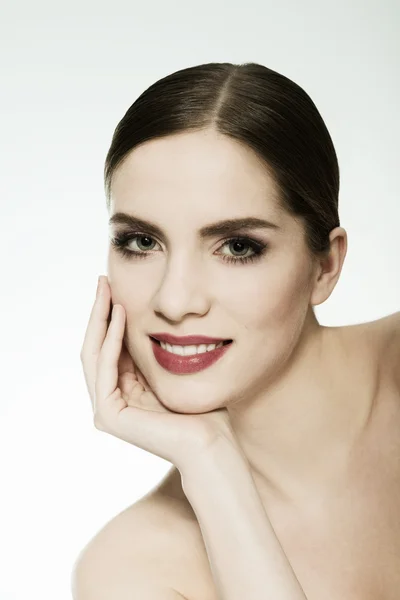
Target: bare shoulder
{"type": "Point", "coordinates": [382, 331]}
{"type": "Point", "coordinates": [155, 542]}
{"type": "Point", "coordinates": [379, 341]}
{"type": "Point", "coordinates": [387, 327]}
{"type": "Point", "coordinates": [387, 334]}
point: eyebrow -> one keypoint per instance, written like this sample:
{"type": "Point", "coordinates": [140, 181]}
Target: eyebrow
{"type": "Point", "coordinates": [226, 227]}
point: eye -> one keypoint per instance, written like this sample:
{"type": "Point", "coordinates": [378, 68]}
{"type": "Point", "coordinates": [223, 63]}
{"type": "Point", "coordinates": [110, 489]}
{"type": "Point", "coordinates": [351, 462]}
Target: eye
{"type": "Point", "coordinates": [257, 249]}
{"type": "Point", "coordinates": [122, 242]}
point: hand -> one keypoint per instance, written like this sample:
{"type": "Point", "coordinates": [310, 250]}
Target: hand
{"type": "Point", "coordinates": [123, 403]}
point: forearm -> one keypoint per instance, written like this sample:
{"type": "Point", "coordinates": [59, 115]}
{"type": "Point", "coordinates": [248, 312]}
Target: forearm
{"type": "Point", "coordinates": [246, 558]}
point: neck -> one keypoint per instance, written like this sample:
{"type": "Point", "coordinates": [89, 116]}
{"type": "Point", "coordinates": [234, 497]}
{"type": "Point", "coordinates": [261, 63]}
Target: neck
{"type": "Point", "coordinates": [298, 434]}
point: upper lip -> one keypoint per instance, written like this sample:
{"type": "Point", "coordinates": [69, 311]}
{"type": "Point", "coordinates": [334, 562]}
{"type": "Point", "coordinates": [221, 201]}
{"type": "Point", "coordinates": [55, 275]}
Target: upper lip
{"type": "Point", "coordinates": [187, 339]}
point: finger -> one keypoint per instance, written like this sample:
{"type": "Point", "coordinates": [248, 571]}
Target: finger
{"type": "Point", "coordinates": [107, 399]}
{"type": "Point", "coordinates": [126, 364]}
{"type": "Point", "coordinates": [95, 334]}
{"type": "Point", "coordinates": [98, 320]}
{"type": "Point", "coordinates": [141, 378]}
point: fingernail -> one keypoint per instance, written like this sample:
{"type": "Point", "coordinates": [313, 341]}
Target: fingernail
{"type": "Point", "coordinates": [98, 285]}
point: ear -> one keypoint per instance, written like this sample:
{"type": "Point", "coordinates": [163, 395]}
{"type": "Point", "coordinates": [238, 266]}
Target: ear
{"type": "Point", "coordinates": [328, 269]}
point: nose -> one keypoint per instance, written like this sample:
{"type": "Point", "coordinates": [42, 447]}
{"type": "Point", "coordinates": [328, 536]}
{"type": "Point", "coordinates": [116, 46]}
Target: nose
{"type": "Point", "coordinates": [183, 290]}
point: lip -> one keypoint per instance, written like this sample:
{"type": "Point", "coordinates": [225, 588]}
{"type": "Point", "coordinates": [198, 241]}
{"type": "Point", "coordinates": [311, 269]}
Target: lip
{"type": "Point", "coordinates": [187, 339]}
{"type": "Point", "coordinates": [182, 365]}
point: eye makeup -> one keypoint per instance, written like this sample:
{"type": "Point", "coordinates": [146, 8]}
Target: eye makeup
{"type": "Point", "coordinates": [121, 240]}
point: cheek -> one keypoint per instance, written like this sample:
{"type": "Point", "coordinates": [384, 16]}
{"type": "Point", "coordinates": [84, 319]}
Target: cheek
{"type": "Point", "coordinates": [129, 286]}
{"type": "Point", "coordinates": [276, 298]}
{"type": "Point", "coordinates": [128, 291]}
{"type": "Point", "coordinates": [264, 298]}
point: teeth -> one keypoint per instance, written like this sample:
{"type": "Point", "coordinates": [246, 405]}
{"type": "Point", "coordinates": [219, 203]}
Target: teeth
{"type": "Point", "coordinates": [190, 350]}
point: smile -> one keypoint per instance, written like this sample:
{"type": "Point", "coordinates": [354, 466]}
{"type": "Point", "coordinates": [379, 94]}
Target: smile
{"type": "Point", "coordinates": [190, 349]}
{"type": "Point", "coordinates": [190, 358]}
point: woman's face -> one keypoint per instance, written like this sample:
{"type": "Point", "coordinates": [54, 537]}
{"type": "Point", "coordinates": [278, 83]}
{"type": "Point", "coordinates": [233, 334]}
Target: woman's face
{"type": "Point", "coordinates": [184, 283]}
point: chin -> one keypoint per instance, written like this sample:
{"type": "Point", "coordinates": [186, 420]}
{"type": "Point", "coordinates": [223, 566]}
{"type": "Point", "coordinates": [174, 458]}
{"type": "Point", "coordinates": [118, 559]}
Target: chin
{"type": "Point", "coordinates": [189, 403]}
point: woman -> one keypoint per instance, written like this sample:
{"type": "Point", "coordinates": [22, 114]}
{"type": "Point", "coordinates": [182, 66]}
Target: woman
{"type": "Point", "coordinates": [222, 187]}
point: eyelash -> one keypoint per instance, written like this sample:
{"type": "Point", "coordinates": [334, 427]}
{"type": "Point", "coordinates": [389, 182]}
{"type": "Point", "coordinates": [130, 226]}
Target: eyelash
{"type": "Point", "coordinates": [121, 240]}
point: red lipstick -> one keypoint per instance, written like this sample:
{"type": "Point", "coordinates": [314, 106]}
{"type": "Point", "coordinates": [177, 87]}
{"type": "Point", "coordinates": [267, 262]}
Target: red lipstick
{"type": "Point", "coordinates": [180, 365]}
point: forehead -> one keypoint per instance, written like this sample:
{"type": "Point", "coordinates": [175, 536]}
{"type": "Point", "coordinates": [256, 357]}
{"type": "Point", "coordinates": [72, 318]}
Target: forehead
{"type": "Point", "coordinates": [202, 166]}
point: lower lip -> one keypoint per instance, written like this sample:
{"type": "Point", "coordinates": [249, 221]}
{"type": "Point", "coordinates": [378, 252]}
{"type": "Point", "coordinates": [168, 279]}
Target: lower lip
{"type": "Point", "coordinates": [187, 364]}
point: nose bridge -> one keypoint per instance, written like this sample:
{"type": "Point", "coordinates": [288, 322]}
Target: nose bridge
{"type": "Point", "coordinates": [183, 287]}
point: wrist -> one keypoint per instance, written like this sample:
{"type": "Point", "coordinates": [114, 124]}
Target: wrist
{"type": "Point", "coordinates": [222, 459]}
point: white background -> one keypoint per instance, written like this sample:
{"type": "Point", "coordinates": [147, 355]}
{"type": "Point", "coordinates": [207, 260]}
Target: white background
{"type": "Point", "coordinates": [68, 74]}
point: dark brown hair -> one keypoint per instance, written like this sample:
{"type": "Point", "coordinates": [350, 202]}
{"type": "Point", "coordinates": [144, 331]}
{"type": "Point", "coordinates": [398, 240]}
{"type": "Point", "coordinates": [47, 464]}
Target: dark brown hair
{"type": "Point", "coordinates": [261, 109]}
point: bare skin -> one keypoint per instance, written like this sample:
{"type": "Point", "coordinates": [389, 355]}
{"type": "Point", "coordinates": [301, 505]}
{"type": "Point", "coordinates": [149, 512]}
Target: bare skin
{"type": "Point", "coordinates": [315, 409]}
{"type": "Point", "coordinates": [345, 540]}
